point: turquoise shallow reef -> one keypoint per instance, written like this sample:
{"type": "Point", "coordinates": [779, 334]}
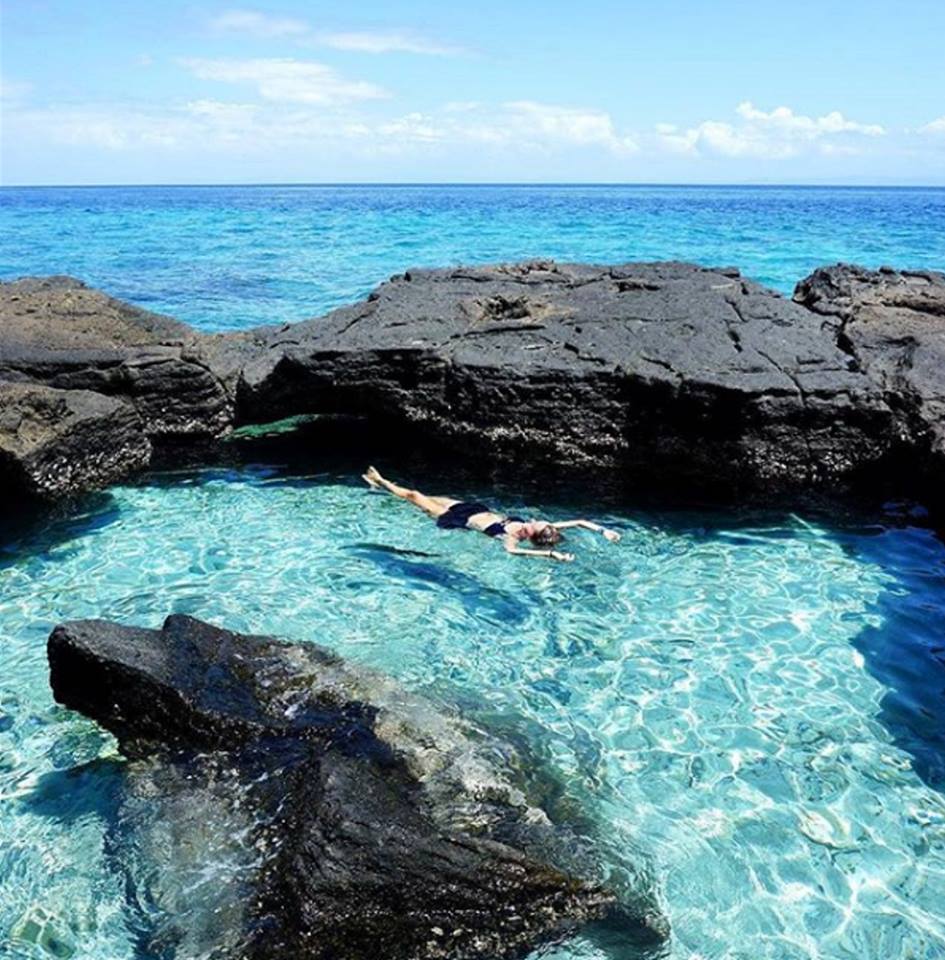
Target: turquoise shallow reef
{"type": "Point", "coordinates": [230, 257]}
{"type": "Point", "coordinates": [754, 700]}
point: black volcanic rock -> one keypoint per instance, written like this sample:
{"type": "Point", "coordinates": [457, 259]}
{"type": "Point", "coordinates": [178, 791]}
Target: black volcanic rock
{"type": "Point", "coordinates": [663, 373]}
{"type": "Point", "coordinates": [58, 442]}
{"type": "Point", "coordinates": [57, 332]}
{"type": "Point", "coordinates": [892, 325]}
{"type": "Point", "coordinates": [347, 817]}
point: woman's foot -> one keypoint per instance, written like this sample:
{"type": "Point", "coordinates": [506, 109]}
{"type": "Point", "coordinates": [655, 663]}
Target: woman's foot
{"type": "Point", "coordinates": [372, 478]}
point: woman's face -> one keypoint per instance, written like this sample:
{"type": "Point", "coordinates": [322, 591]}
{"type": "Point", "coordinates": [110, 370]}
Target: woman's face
{"type": "Point", "coordinates": [540, 531]}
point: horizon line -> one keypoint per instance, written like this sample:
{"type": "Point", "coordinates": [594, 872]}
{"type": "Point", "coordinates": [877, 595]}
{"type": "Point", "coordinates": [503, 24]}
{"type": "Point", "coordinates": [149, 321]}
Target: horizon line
{"type": "Point", "coordinates": [484, 183]}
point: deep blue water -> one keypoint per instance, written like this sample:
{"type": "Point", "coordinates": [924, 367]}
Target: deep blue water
{"type": "Point", "coordinates": [231, 257]}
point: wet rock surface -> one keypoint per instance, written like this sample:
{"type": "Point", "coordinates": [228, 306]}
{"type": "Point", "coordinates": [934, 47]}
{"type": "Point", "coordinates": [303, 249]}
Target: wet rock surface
{"type": "Point", "coordinates": [662, 373]}
{"type": "Point", "coordinates": [54, 442]}
{"type": "Point", "coordinates": [342, 812]}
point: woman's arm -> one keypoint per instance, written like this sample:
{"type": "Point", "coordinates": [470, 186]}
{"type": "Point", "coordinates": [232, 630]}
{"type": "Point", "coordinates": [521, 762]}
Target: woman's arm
{"type": "Point", "coordinates": [511, 546]}
{"type": "Point", "coordinates": [610, 535]}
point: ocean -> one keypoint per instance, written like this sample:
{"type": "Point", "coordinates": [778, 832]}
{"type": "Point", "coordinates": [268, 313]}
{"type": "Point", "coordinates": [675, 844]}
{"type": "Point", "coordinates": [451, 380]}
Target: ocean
{"type": "Point", "coordinates": [225, 258]}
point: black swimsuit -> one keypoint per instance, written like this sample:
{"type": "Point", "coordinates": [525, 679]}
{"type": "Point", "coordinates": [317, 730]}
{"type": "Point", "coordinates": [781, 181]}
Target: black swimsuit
{"type": "Point", "coordinates": [457, 518]}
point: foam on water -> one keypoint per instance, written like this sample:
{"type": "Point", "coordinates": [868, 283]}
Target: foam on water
{"type": "Point", "coordinates": [709, 689]}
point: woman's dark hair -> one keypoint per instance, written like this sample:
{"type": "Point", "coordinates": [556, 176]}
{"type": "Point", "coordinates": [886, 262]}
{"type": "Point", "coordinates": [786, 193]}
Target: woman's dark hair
{"type": "Point", "coordinates": [546, 537]}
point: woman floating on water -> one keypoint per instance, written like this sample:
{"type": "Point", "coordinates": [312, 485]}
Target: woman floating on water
{"type": "Point", "coordinates": [453, 514]}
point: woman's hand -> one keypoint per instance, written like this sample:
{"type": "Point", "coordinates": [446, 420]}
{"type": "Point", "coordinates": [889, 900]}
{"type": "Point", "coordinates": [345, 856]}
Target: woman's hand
{"type": "Point", "coordinates": [563, 557]}
{"type": "Point", "coordinates": [610, 535]}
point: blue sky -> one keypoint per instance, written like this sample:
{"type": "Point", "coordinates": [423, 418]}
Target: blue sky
{"type": "Point", "coordinates": [190, 91]}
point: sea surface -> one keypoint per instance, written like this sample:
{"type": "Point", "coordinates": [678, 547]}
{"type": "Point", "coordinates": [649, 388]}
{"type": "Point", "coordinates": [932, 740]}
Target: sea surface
{"type": "Point", "coordinates": [749, 704]}
{"type": "Point", "coordinates": [225, 258]}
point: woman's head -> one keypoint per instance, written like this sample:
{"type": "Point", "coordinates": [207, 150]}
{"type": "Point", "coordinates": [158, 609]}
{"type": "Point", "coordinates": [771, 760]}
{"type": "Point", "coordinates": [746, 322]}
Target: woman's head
{"type": "Point", "coordinates": [544, 534]}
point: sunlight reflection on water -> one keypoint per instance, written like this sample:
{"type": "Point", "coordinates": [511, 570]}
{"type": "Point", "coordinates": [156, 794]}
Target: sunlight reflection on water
{"type": "Point", "coordinates": [704, 689]}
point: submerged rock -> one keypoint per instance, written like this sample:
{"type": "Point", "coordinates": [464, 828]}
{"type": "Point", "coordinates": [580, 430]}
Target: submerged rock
{"type": "Point", "coordinates": [343, 812]}
{"type": "Point", "coordinates": [662, 373]}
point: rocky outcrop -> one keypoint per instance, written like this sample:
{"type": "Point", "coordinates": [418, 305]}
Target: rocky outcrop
{"type": "Point", "coordinates": [65, 441]}
{"type": "Point", "coordinates": [343, 813]}
{"type": "Point", "coordinates": [59, 333]}
{"type": "Point", "coordinates": [892, 326]}
{"type": "Point", "coordinates": [662, 373]}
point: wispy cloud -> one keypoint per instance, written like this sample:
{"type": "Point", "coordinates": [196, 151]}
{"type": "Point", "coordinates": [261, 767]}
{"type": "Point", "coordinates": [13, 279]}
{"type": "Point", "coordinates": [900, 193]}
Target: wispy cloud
{"type": "Point", "coordinates": [935, 127]}
{"type": "Point", "coordinates": [111, 128]}
{"type": "Point", "coordinates": [774, 134]}
{"type": "Point", "coordinates": [413, 128]}
{"type": "Point", "coordinates": [259, 24]}
{"type": "Point", "coordinates": [13, 91]}
{"type": "Point", "coordinates": [264, 26]}
{"type": "Point", "coordinates": [287, 80]}
{"type": "Point", "coordinates": [387, 41]}
{"type": "Point", "coordinates": [207, 126]}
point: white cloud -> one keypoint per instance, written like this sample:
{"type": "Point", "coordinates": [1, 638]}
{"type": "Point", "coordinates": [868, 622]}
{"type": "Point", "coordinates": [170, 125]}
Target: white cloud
{"type": "Point", "coordinates": [224, 122]}
{"type": "Point", "coordinates": [200, 125]}
{"type": "Point", "coordinates": [786, 120]}
{"type": "Point", "coordinates": [386, 41]}
{"type": "Point", "coordinates": [108, 128]}
{"type": "Point", "coordinates": [287, 80]}
{"type": "Point", "coordinates": [414, 127]}
{"type": "Point", "coordinates": [518, 124]}
{"type": "Point", "coordinates": [304, 104]}
{"type": "Point", "coordinates": [568, 125]}
{"type": "Point", "coordinates": [777, 134]}
{"type": "Point", "coordinates": [259, 24]}
{"type": "Point", "coordinates": [935, 127]}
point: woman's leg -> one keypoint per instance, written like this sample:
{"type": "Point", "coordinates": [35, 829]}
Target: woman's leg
{"type": "Point", "coordinates": [435, 506]}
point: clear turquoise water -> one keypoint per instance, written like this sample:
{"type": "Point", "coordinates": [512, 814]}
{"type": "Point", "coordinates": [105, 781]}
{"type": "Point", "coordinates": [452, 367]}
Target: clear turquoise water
{"type": "Point", "coordinates": [231, 257]}
{"type": "Point", "coordinates": [752, 699]}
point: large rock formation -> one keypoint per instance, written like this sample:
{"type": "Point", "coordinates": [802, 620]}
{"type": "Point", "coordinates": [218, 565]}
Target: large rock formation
{"type": "Point", "coordinates": [653, 372]}
{"type": "Point", "coordinates": [341, 815]}
{"type": "Point", "coordinates": [658, 370]}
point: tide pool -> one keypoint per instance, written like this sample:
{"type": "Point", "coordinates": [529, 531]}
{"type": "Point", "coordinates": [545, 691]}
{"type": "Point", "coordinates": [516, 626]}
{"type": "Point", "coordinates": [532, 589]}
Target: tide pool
{"type": "Point", "coordinates": [751, 701]}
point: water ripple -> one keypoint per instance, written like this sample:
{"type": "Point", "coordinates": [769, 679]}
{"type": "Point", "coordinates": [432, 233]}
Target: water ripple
{"type": "Point", "coordinates": [750, 703]}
